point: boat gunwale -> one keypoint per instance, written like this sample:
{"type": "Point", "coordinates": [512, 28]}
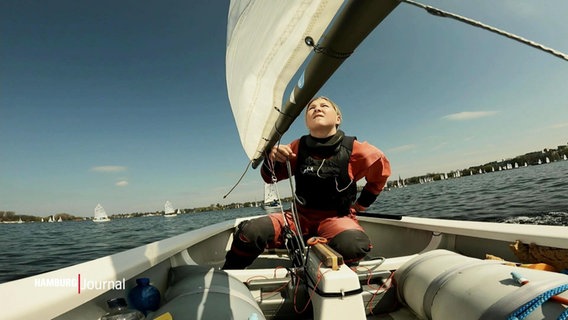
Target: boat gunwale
{"type": "Point", "coordinates": [542, 235]}
{"type": "Point", "coordinates": [122, 265]}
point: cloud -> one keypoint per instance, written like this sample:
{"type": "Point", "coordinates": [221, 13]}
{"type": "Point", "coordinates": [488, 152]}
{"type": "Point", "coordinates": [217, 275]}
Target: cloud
{"type": "Point", "coordinates": [469, 115]}
{"type": "Point", "coordinates": [122, 183]}
{"type": "Point", "coordinates": [108, 169]}
{"type": "Point", "coordinates": [440, 146]}
{"type": "Point", "coordinates": [559, 125]}
{"type": "Point", "coordinates": [403, 148]}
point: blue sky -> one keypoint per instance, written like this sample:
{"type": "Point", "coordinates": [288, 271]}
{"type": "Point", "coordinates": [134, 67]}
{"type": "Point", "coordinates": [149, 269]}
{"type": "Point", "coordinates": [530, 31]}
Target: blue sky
{"type": "Point", "coordinates": [124, 103]}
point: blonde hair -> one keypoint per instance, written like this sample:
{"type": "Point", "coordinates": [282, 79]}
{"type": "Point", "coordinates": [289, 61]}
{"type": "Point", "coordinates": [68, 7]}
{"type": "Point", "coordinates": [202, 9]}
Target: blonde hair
{"type": "Point", "coordinates": [333, 104]}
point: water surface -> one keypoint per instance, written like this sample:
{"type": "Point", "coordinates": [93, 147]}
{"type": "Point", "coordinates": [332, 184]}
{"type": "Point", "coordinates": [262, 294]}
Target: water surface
{"type": "Point", "coordinates": [534, 194]}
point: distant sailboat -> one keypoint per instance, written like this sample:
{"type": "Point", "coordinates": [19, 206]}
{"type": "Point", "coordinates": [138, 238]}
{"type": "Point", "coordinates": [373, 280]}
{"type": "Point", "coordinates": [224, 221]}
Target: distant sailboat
{"type": "Point", "coordinates": [271, 201]}
{"type": "Point", "coordinates": [59, 220]}
{"type": "Point", "coordinates": [169, 211]}
{"type": "Point", "coordinates": [100, 214]}
{"type": "Point", "coordinates": [50, 219]}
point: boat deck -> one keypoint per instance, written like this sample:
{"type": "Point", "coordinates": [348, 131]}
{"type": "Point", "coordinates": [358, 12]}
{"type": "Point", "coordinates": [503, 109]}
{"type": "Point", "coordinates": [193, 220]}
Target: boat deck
{"type": "Point", "coordinates": [275, 288]}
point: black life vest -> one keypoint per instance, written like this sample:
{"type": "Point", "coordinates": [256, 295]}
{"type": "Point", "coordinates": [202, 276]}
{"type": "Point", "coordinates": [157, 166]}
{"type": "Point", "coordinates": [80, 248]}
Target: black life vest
{"type": "Point", "coordinates": [322, 176]}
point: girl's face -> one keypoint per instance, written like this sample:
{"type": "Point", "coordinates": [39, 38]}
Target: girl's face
{"type": "Point", "coordinates": [322, 117]}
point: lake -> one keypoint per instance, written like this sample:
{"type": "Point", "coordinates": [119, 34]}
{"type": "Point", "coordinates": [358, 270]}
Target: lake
{"type": "Point", "coordinates": [534, 194]}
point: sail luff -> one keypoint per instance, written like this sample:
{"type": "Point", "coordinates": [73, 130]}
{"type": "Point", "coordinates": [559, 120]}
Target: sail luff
{"type": "Point", "coordinates": [355, 22]}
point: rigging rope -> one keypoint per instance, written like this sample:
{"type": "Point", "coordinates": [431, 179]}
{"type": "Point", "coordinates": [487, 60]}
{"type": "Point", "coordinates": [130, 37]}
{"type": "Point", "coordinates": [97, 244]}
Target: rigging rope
{"type": "Point", "coordinates": [526, 309]}
{"type": "Point", "coordinates": [293, 241]}
{"type": "Point", "coordinates": [326, 51]}
{"type": "Point", "coordinates": [563, 315]}
{"type": "Point", "coordinates": [293, 208]}
{"type": "Point", "coordinates": [440, 13]}
{"type": "Point", "coordinates": [238, 181]}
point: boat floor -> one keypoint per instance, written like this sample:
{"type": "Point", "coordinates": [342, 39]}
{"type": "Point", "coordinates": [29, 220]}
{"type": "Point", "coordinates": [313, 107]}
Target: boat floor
{"type": "Point", "coordinates": [272, 288]}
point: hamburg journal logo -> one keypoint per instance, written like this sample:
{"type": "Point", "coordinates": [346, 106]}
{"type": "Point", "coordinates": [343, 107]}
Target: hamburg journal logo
{"type": "Point", "coordinates": [80, 283]}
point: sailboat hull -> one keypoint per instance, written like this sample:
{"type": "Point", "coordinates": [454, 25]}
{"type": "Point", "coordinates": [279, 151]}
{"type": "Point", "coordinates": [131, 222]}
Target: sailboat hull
{"type": "Point", "coordinates": [400, 242]}
{"type": "Point", "coordinates": [272, 209]}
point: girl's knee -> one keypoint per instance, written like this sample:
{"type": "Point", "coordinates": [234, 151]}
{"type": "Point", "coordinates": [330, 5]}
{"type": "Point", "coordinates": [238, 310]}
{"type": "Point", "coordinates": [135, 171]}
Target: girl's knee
{"type": "Point", "coordinates": [254, 234]}
{"type": "Point", "coordinates": [353, 245]}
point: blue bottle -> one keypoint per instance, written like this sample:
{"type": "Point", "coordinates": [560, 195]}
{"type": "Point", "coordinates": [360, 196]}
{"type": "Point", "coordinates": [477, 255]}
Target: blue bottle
{"type": "Point", "coordinates": [144, 297]}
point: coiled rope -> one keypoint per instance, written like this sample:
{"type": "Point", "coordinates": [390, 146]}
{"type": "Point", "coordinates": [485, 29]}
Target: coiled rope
{"type": "Point", "coordinates": [524, 310]}
{"type": "Point", "coordinates": [440, 13]}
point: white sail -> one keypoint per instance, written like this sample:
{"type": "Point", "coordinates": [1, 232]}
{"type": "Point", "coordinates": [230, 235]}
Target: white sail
{"type": "Point", "coordinates": [100, 214]}
{"type": "Point", "coordinates": [168, 207]}
{"type": "Point", "coordinates": [265, 48]}
{"type": "Point", "coordinates": [269, 193]}
{"type": "Point", "coordinates": [169, 210]}
{"type": "Point", "coordinates": [271, 200]}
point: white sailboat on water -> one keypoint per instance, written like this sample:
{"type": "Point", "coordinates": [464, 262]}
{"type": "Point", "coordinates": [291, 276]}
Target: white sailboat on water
{"type": "Point", "coordinates": [100, 214]}
{"type": "Point", "coordinates": [271, 201]}
{"type": "Point", "coordinates": [169, 211]}
{"type": "Point", "coordinates": [438, 265]}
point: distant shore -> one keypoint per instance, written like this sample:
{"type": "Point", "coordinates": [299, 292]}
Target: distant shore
{"type": "Point", "coordinates": [529, 159]}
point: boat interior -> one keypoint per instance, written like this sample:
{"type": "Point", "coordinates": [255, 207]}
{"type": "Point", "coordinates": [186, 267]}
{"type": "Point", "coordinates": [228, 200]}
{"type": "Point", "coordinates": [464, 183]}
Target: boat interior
{"type": "Point", "coordinates": [193, 287]}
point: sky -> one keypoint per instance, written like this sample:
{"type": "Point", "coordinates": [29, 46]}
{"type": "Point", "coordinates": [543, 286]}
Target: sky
{"type": "Point", "coordinates": [124, 103]}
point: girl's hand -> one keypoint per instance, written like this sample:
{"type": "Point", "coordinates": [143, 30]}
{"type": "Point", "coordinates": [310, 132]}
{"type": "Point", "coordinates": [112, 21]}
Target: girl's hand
{"type": "Point", "coordinates": [281, 153]}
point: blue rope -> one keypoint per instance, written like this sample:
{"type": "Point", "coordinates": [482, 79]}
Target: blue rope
{"type": "Point", "coordinates": [563, 315]}
{"type": "Point", "coordinates": [524, 310]}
